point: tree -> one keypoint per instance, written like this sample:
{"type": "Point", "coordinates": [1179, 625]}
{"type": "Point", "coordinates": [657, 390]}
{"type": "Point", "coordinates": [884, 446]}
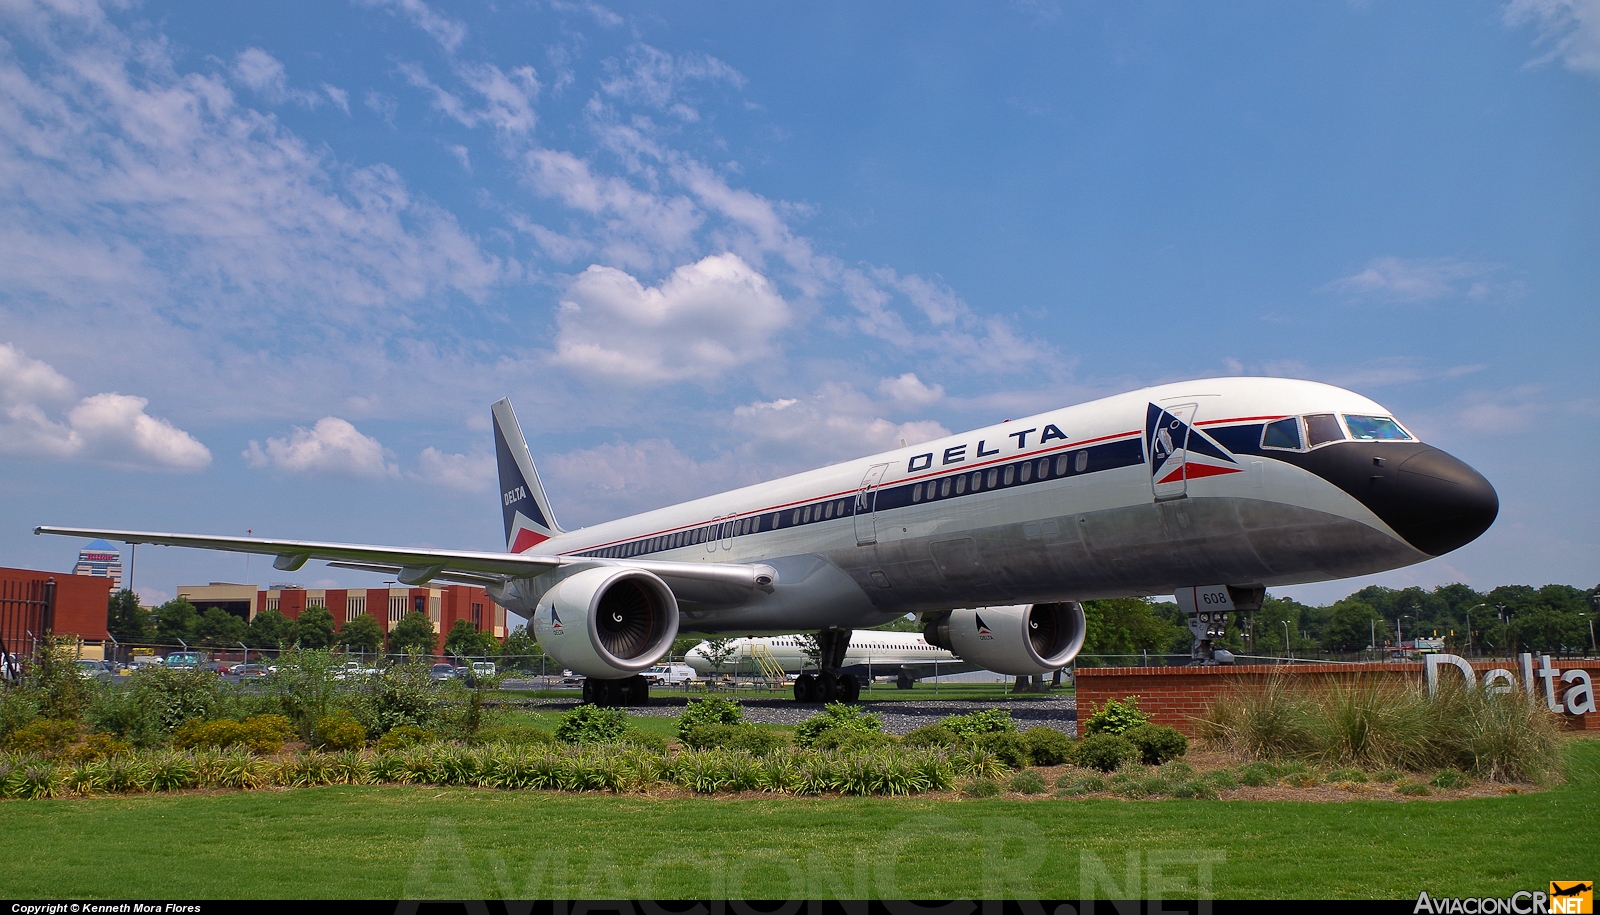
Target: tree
{"type": "Point", "coordinates": [176, 619]}
{"type": "Point", "coordinates": [521, 650]}
{"type": "Point", "coordinates": [126, 620]}
{"type": "Point", "coordinates": [270, 629]}
{"type": "Point", "coordinates": [465, 641]}
{"type": "Point", "coordinates": [414, 633]}
{"type": "Point", "coordinates": [1128, 626]}
{"type": "Point", "coordinates": [718, 652]}
{"type": "Point", "coordinates": [219, 627]}
{"type": "Point", "coordinates": [361, 634]}
{"type": "Point", "coordinates": [1351, 626]}
{"type": "Point", "coordinates": [315, 628]}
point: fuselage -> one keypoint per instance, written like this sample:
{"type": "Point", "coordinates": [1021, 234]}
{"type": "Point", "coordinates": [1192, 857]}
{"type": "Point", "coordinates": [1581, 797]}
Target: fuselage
{"type": "Point", "coordinates": [1226, 480]}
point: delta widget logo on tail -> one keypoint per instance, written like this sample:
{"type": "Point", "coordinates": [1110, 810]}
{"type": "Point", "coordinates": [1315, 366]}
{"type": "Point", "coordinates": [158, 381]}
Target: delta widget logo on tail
{"type": "Point", "coordinates": [1179, 451]}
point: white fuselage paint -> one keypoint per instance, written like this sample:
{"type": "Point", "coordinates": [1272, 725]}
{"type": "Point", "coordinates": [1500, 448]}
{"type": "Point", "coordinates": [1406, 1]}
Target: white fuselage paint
{"type": "Point", "coordinates": [886, 651]}
{"type": "Point", "coordinates": [1100, 533]}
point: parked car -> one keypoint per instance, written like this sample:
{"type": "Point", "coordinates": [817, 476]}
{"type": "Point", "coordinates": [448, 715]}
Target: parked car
{"type": "Point", "coordinates": [183, 659]}
{"type": "Point", "coordinates": [443, 672]}
{"type": "Point", "coordinates": [247, 671]}
{"type": "Point", "coordinates": [94, 670]}
{"type": "Point", "coordinates": [483, 668]}
{"type": "Point", "coordinates": [355, 670]}
{"type": "Point", "coordinates": [666, 674]}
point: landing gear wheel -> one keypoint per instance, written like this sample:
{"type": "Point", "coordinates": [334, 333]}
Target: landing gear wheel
{"type": "Point", "coordinates": [830, 686]}
{"type": "Point", "coordinates": [588, 691]}
{"type": "Point", "coordinates": [805, 688]}
{"type": "Point", "coordinates": [635, 691]}
{"type": "Point", "coordinates": [904, 681]}
{"type": "Point", "coordinates": [849, 689]}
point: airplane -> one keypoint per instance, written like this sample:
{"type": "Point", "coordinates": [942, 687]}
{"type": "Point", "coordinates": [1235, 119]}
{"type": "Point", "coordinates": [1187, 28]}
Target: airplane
{"type": "Point", "coordinates": [1212, 490]}
{"type": "Point", "coordinates": [906, 655]}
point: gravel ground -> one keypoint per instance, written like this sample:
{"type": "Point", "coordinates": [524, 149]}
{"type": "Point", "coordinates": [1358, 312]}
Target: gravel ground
{"type": "Point", "coordinates": [899, 716]}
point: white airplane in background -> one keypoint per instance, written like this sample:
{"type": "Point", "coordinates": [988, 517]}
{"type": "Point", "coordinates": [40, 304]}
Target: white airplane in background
{"type": "Point", "coordinates": [870, 652]}
{"type": "Point", "coordinates": [1211, 490]}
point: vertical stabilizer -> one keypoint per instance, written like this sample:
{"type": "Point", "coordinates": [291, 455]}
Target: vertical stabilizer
{"type": "Point", "coordinates": [529, 521]}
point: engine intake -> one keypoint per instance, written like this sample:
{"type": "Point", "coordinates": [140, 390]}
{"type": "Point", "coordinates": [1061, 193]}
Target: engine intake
{"type": "Point", "coordinates": [607, 622]}
{"type": "Point", "coordinates": [1019, 640]}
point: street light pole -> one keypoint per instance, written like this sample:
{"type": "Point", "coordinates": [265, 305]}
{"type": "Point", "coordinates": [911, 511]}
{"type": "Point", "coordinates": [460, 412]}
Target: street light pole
{"type": "Point", "coordinates": [1469, 625]}
{"type": "Point", "coordinates": [1286, 652]}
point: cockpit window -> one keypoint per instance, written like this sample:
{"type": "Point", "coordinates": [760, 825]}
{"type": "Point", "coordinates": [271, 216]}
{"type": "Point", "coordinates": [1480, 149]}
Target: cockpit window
{"type": "Point", "coordinates": [1322, 428]}
{"type": "Point", "coordinates": [1375, 429]}
{"type": "Point", "coordinates": [1285, 433]}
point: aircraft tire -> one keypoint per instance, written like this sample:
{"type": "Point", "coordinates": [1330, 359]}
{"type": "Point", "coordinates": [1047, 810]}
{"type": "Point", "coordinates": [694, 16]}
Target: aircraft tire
{"type": "Point", "coordinates": [588, 690]}
{"type": "Point", "coordinates": [635, 691]}
{"type": "Point", "coordinates": [805, 688]}
{"type": "Point", "coordinates": [829, 684]}
{"type": "Point", "coordinates": [904, 682]}
{"type": "Point", "coordinates": [849, 688]}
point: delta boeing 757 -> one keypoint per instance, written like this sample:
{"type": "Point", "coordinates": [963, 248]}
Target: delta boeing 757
{"type": "Point", "coordinates": [1212, 490]}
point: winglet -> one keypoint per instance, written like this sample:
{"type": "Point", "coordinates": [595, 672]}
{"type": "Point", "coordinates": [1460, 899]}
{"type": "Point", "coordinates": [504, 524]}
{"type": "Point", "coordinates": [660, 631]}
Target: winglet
{"type": "Point", "coordinates": [528, 518]}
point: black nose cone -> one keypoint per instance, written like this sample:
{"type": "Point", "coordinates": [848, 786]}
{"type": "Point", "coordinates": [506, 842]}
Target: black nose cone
{"type": "Point", "coordinates": [1436, 502]}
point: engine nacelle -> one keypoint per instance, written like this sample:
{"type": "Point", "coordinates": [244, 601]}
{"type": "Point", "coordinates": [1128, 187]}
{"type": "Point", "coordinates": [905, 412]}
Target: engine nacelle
{"type": "Point", "coordinates": [607, 623]}
{"type": "Point", "coordinates": [1020, 640]}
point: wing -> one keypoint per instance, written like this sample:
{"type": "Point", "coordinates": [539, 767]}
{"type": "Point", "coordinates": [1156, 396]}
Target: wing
{"type": "Point", "coordinates": [696, 582]}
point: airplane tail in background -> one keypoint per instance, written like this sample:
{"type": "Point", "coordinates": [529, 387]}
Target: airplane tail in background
{"type": "Point", "coordinates": [529, 520]}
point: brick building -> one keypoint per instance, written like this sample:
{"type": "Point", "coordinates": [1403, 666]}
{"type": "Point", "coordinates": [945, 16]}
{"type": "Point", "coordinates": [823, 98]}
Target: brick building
{"type": "Point", "coordinates": [387, 606]}
{"type": "Point", "coordinates": [62, 604]}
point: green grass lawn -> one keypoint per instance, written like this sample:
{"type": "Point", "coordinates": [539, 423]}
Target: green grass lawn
{"type": "Point", "coordinates": [369, 842]}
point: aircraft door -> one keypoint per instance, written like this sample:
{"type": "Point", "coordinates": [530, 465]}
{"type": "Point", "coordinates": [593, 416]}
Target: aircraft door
{"type": "Point", "coordinates": [867, 505]}
{"type": "Point", "coordinates": [1167, 440]}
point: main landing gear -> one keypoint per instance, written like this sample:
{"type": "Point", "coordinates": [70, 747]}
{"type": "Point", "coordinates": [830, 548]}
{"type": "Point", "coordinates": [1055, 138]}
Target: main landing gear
{"type": "Point", "coordinates": [632, 691]}
{"type": "Point", "coordinates": [827, 684]}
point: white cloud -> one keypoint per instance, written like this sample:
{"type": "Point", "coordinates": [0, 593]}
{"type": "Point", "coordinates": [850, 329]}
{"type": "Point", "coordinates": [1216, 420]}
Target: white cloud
{"type": "Point", "coordinates": [132, 182]}
{"type": "Point", "coordinates": [1569, 29]}
{"type": "Point", "coordinates": [109, 429]}
{"type": "Point", "coordinates": [507, 98]}
{"type": "Point", "coordinates": [464, 472]}
{"type": "Point", "coordinates": [701, 321]}
{"type": "Point", "coordinates": [265, 75]}
{"type": "Point", "coordinates": [1416, 280]}
{"type": "Point", "coordinates": [834, 423]}
{"type": "Point", "coordinates": [332, 447]}
{"type": "Point", "coordinates": [448, 32]}
{"type": "Point", "coordinates": [909, 390]}
{"type": "Point", "coordinates": [656, 79]}
{"type": "Point", "coordinates": [609, 481]}
{"type": "Point", "coordinates": [638, 229]}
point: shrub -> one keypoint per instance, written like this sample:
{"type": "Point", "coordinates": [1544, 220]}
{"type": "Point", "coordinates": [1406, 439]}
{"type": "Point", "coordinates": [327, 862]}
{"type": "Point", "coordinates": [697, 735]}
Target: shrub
{"type": "Point", "coordinates": [1269, 723]}
{"type": "Point", "coordinates": [1049, 747]}
{"type": "Point", "coordinates": [99, 746]}
{"type": "Point", "coordinates": [985, 721]}
{"type": "Point", "coordinates": [980, 787]}
{"type": "Point", "coordinates": [173, 695]}
{"type": "Point", "coordinates": [1451, 778]}
{"type": "Point", "coordinates": [267, 733]}
{"type": "Point", "coordinates": [1258, 775]}
{"type": "Point", "coordinates": [339, 731]}
{"type": "Point", "coordinates": [1194, 788]}
{"type": "Point", "coordinates": [128, 713]}
{"type": "Point", "coordinates": [644, 740]}
{"type": "Point", "coordinates": [835, 715]}
{"type": "Point", "coordinates": [1007, 746]}
{"type": "Point", "coordinates": [1412, 789]}
{"type": "Point", "coordinates": [589, 724]}
{"type": "Point", "coordinates": [848, 740]}
{"type": "Point", "coordinates": [409, 734]}
{"type": "Point", "coordinates": [1027, 782]}
{"type": "Point", "coordinates": [516, 735]}
{"type": "Point", "coordinates": [1348, 775]}
{"type": "Point", "coordinates": [931, 735]}
{"type": "Point", "coordinates": [1157, 743]}
{"type": "Point", "coordinates": [1106, 752]}
{"type": "Point", "coordinates": [757, 741]}
{"type": "Point", "coordinates": [1078, 783]}
{"type": "Point", "coordinates": [972, 761]}
{"type": "Point", "coordinates": [208, 734]}
{"type": "Point", "coordinates": [1115, 717]}
{"type": "Point", "coordinates": [45, 736]}
{"type": "Point", "coordinates": [1135, 782]}
{"type": "Point", "coordinates": [710, 710]}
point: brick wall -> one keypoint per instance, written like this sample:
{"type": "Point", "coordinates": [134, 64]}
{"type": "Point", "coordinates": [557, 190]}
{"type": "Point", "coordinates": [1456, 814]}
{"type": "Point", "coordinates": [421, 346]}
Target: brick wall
{"type": "Point", "coordinates": [1176, 696]}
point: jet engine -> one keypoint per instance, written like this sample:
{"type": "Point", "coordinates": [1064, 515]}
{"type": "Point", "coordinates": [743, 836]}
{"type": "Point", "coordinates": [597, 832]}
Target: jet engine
{"type": "Point", "coordinates": [1020, 640]}
{"type": "Point", "coordinates": [607, 623]}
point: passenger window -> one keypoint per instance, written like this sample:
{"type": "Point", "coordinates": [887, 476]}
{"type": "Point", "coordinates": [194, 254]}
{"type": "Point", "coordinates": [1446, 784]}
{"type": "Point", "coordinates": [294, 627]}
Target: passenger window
{"type": "Point", "coordinates": [1027, 472]}
{"type": "Point", "coordinates": [994, 477]}
{"type": "Point", "coordinates": [1081, 463]}
{"type": "Point", "coordinates": [1322, 428]}
{"type": "Point", "coordinates": [977, 481]}
{"type": "Point", "coordinates": [961, 485]}
{"type": "Point", "coordinates": [755, 524]}
{"type": "Point", "coordinates": [796, 518]}
{"type": "Point", "coordinates": [1375, 429]}
{"type": "Point", "coordinates": [1285, 433]}
{"type": "Point", "coordinates": [827, 511]}
{"type": "Point", "coordinates": [1009, 475]}
{"type": "Point", "coordinates": [944, 488]}
{"type": "Point", "coordinates": [1061, 465]}
{"type": "Point", "coordinates": [916, 493]}
{"type": "Point", "coordinates": [1044, 468]}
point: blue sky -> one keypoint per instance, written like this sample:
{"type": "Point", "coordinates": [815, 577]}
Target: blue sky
{"type": "Point", "coordinates": [266, 267]}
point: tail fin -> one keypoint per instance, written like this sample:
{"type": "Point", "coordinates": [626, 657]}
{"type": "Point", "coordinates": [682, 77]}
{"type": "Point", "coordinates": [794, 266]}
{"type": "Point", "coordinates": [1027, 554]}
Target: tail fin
{"type": "Point", "coordinates": [529, 521]}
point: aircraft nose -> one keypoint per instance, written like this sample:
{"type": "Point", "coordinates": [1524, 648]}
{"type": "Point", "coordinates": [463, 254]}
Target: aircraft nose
{"type": "Point", "coordinates": [1437, 502]}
